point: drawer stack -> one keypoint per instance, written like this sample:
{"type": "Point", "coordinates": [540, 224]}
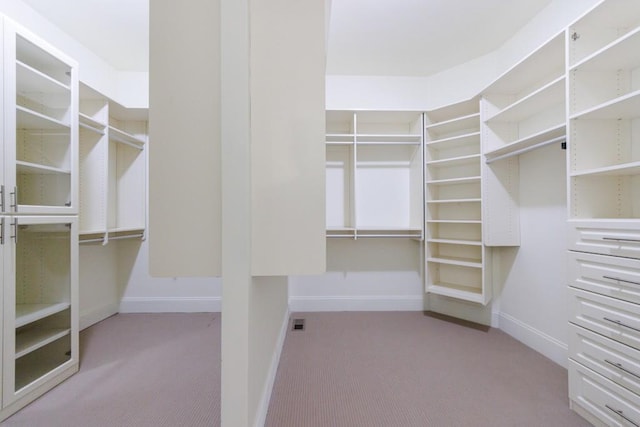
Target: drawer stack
{"type": "Point", "coordinates": [604, 335]}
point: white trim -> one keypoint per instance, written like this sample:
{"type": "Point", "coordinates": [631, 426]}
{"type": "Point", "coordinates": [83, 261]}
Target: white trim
{"type": "Point", "coordinates": [357, 303]}
{"type": "Point", "coordinates": [171, 305]}
{"type": "Point", "coordinates": [97, 314]}
{"type": "Point", "coordinates": [261, 414]}
{"type": "Point", "coordinates": [537, 340]}
{"type": "Point", "coordinates": [495, 319]}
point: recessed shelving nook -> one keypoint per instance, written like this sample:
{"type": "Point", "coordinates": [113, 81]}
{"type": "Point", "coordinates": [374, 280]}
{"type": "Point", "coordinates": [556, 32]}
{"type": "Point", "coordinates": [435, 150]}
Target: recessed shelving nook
{"type": "Point", "coordinates": [374, 174]}
{"type": "Point", "coordinates": [456, 259]}
{"type": "Point", "coordinates": [112, 169]}
{"type": "Point", "coordinates": [604, 212]}
{"type": "Point", "coordinates": [521, 110]}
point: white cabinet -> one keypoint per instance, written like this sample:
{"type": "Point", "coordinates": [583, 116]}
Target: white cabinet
{"type": "Point", "coordinates": [113, 169]}
{"type": "Point", "coordinates": [40, 126]}
{"type": "Point", "coordinates": [38, 217]}
{"type": "Point", "coordinates": [374, 176]}
{"type": "Point", "coordinates": [521, 110]}
{"type": "Point", "coordinates": [40, 317]}
{"type": "Point", "coordinates": [457, 262]}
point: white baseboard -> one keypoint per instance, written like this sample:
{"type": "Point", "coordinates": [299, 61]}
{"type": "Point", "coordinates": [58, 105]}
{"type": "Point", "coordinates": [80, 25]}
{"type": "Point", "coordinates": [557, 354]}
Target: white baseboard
{"type": "Point", "coordinates": [537, 340]}
{"type": "Point", "coordinates": [357, 303]}
{"type": "Point", "coordinates": [171, 305]}
{"type": "Point", "coordinates": [261, 414]}
{"type": "Point", "coordinates": [96, 314]}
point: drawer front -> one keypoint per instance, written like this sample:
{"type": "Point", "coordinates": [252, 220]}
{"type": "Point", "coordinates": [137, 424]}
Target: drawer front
{"type": "Point", "coordinates": [606, 275]}
{"type": "Point", "coordinates": [614, 361]}
{"type": "Point", "coordinates": [607, 238]}
{"type": "Point", "coordinates": [613, 318]}
{"type": "Point", "coordinates": [612, 404]}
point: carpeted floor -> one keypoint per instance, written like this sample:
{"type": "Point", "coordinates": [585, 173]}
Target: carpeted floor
{"type": "Point", "coordinates": [344, 370]}
{"type": "Point", "coordinates": [138, 370]}
{"type": "Point", "coordinates": [409, 369]}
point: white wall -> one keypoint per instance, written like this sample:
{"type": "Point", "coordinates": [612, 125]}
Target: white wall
{"type": "Point", "coordinates": [532, 280]}
{"type": "Point", "coordinates": [93, 70]}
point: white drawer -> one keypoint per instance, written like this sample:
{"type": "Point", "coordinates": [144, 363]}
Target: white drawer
{"type": "Point", "coordinates": [614, 361]}
{"type": "Point", "coordinates": [606, 401]}
{"type": "Point", "coordinates": [619, 238]}
{"type": "Point", "coordinates": [607, 275]}
{"type": "Point", "coordinates": [613, 318]}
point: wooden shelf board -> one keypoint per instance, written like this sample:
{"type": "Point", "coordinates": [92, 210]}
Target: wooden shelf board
{"type": "Point", "coordinates": [550, 94]}
{"type": "Point", "coordinates": [29, 313]}
{"type": "Point", "coordinates": [529, 141]}
{"type": "Point", "coordinates": [475, 200]}
{"type": "Point", "coordinates": [453, 181]}
{"type": "Point", "coordinates": [453, 161]}
{"type": "Point", "coordinates": [455, 141]}
{"type": "Point", "coordinates": [456, 242]}
{"type": "Point", "coordinates": [463, 262]}
{"type": "Point", "coordinates": [29, 119]}
{"type": "Point", "coordinates": [36, 169]}
{"type": "Point", "coordinates": [30, 341]}
{"type": "Point", "coordinates": [31, 80]}
{"type": "Point", "coordinates": [627, 169]}
{"type": "Point", "coordinates": [623, 107]}
{"type": "Point", "coordinates": [614, 56]}
{"type": "Point", "coordinates": [467, 293]}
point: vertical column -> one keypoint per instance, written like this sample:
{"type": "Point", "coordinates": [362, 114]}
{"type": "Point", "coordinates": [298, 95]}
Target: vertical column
{"type": "Point", "coordinates": [236, 211]}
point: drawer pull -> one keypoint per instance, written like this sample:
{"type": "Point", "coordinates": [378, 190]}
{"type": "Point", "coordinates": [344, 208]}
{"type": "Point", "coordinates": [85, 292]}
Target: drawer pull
{"type": "Point", "coordinates": [617, 279]}
{"type": "Point", "coordinates": [622, 368]}
{"type": "Point", "coordinates": [619, 323]}
{"type": "Point", "coordinates": [619, 239]}
{"type": "Point", "coordinates": [620, 413]}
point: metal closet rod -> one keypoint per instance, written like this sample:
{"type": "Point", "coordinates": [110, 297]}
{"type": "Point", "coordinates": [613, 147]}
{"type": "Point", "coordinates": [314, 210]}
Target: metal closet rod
{"type": "Point", "coordinates": [525, 150]}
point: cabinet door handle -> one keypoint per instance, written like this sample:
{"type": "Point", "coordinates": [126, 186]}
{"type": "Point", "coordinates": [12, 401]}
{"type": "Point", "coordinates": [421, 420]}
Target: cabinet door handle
{"type": "Point", "coordinates": [1, 198]}
{"type": "Point", "coordinates": [618, 239]}
{"type": "Point", "coordinates": [620, 413]}
{"type": "Point", "coordinates": [619, 323]}
{"type": "Point", "coordinates": [617, 279]}
{"type": "Point", "coordinates": [622, 368]}
{"type": "Point", "coordinates": [14, 224]}
{"type": "Point", "coordinates": [2, 231]}
{"type": "Point", "coordinates": [14, 199]}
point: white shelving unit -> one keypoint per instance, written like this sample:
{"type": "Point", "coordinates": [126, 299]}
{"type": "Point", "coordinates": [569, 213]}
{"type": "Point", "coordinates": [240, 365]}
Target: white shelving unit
{"type": "Point", "coordinates": [38, 217]}
{"type": "Point", "coordinates": [374, 174]}
{"type": "Point", "coordinates": [604, 212]}
{"type": "Point", "coordinates": [456, 259]}
{"type": "Point", "coordinates": [522, 110]}
{"type": "Point", "coordinates": [113, 169]}
{"type": "Point", "coordinates": [40, 126]}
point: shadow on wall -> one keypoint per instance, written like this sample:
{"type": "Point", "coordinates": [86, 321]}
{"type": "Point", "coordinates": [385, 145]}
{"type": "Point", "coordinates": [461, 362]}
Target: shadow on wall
{"type": "Point", "coordinates": [373, 254]}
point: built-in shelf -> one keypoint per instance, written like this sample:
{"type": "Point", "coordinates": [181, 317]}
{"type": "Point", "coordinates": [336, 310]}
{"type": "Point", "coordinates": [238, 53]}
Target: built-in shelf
{"type": "Point", "coordinates": [458, 124]}
{"type": "Point", "coordinates": [530, 141]}
{"type": "Point", "coordinates": [445, 201]}
{"type": "Point", "coordinates": [455, 161]}
{"type": "Point", "coordinates": [454, 221]}
{"type": "Point", "coordinates": [632, 168]}
{"type": "Point", "coordinates": [453, 290]}
{"type": "Point", "coordinates": [454, 181]}
{"type": "Point", "coordinates": [456, 242]}
{"type": "Point", "coordinates": [463, 262]}
{"type": "Point", "coordinates": [27, 342]}
{"type": "Point", "coordinates": [125, 138]}
{"type": "Point", "coordinates": [623, 107]}
{"type": "Point", "coordinates": [31, 80]}
{"type": "Point", "coordinates": [552, 93]}
{"type": "Point", "coordinates": [29, 119]}
{"type": "Point", "coordinates": [29, 313]}
{"type": "Point", "coordinates": [36, 169]}
{"type": "Point", "coordinates": [455, 141]}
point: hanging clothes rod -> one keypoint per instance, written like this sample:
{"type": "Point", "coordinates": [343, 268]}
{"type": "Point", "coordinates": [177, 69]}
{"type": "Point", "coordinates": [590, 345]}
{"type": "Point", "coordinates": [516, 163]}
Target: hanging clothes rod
{"type": "Point", "coordinates": [527, 149]}
{"type": "Point", "coordinates": [91, 128]}
{"type": "Point", "coordinates": [91, 241]}
{"type": "Point", "coordinates": [128, 236]}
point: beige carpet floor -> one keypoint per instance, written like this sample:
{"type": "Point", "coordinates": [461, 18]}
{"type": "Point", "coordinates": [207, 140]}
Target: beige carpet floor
{"type": "Point", "coordinates": [343, 370]}
{"type": "Point", "coordinates": [138, 370]}
{"type": "Point", "coordinates": [412, 370]}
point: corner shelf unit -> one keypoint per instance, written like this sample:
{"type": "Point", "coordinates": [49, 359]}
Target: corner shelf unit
{"type": "Point", "coordinates": [456, 259]}
{"type": "Point", "coordinates": [113, 169]}
{"type": "Point", "coordinates": [374, 174]}
{"type": "Point", "coordinates": [521, 110]}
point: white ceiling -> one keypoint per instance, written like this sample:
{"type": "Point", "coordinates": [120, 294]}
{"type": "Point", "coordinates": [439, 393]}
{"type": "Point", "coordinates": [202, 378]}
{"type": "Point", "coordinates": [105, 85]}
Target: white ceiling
{"type": "Point", "coordinates": [366, 37]}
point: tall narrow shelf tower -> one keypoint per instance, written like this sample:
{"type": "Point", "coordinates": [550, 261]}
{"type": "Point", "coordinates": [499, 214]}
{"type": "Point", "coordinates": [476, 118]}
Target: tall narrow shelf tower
{"type": "Point", "coordinates": [457, 263]}
{"type": "Point", "coordinates": [38, 218]}
{"type": "Point", "coordinates": [604, 213]}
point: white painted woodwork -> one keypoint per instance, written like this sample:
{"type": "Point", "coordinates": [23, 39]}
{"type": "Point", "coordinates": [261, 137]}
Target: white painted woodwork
{"type": "Point", "coordinates": [287, 138]}
{"type": "Point", "coordinates": [184, 127]}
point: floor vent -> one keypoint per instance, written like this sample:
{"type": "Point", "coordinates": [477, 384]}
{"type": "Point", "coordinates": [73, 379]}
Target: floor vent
{"type": "Point", "coordinates": [298, 325]}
